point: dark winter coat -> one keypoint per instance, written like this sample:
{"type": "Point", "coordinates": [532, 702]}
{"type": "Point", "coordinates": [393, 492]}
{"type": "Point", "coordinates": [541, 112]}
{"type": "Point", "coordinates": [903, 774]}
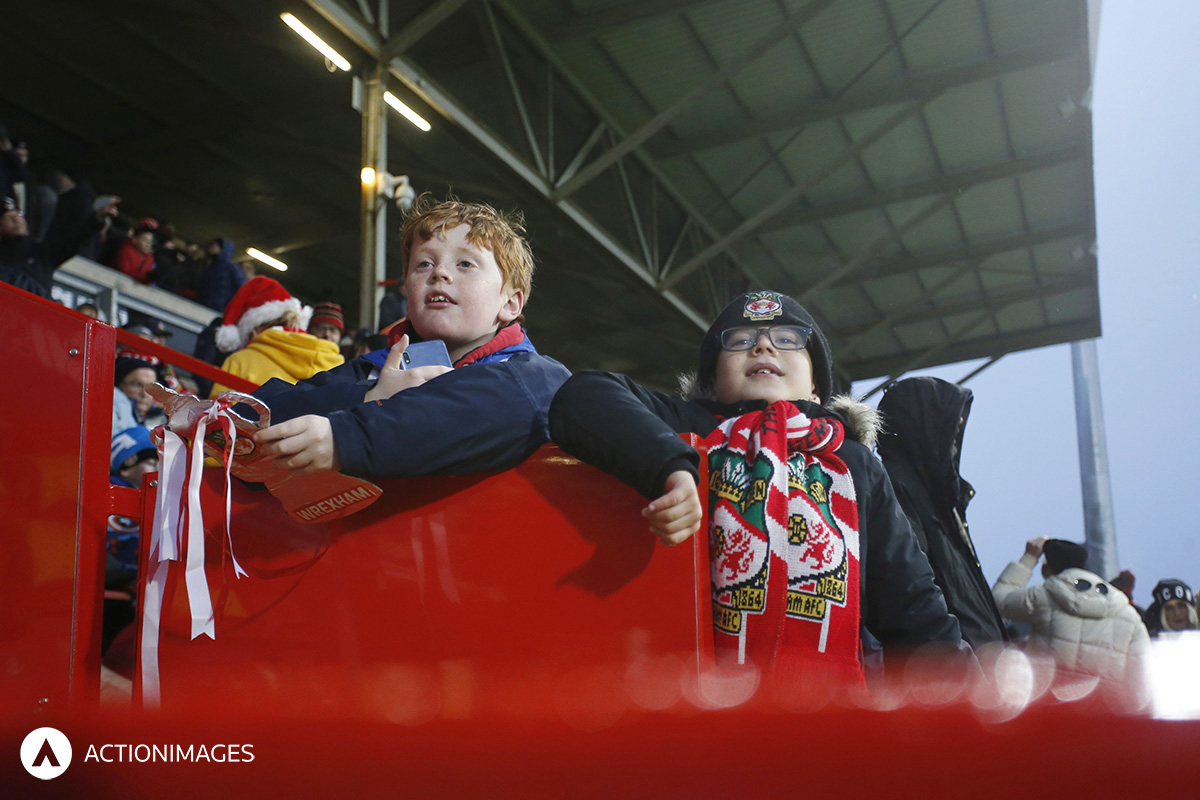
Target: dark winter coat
{"type": "Point", "coordinates": [222, 279]}
{"type": "Point", "coordinates": [633, 433]}
{"type": "Point", "coordinates": [923, 421]}
{"type": "Point", "coordinates": [481, 417]}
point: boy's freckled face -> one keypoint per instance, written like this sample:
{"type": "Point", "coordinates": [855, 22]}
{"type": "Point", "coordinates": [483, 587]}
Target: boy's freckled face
{"type": "Point", "coordinates": [764, 373]}
{"type": "Point", "coordinates": [456, 292]}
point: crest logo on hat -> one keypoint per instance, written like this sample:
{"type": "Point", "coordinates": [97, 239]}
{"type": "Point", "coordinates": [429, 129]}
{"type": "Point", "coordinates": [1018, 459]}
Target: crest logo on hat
{"type": "Point", "coordinates": [761, 306]}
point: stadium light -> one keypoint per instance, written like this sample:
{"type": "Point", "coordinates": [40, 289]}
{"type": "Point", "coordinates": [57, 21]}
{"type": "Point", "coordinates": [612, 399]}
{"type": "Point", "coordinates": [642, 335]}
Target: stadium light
{"type": "Point", "coordinates": [316, 41]}
{"type": "Point", "coordinates": [270, 261]}
{"type": "Point", "coordinates": [405, 111]}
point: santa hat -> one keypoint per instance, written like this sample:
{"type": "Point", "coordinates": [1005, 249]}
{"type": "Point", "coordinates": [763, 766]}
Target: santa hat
{"type": "Point", "coordinates": [260, 300]}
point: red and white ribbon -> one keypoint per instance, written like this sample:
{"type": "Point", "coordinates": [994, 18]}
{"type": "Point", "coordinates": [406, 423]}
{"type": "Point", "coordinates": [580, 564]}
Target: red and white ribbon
{"type": "Point", "coordinates": [177, 514]}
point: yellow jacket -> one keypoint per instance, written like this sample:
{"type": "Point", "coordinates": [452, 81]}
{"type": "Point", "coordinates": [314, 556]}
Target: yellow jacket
{"type": "Point", "coordinates": [277, 353]}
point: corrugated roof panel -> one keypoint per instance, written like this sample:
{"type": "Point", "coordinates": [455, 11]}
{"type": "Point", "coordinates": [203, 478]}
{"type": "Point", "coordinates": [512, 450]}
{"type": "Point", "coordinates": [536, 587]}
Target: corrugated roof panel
{"type": "Point", "coordinates": [1052, 199]}
{"type": "Point", "coordinates": [951, 35]}
{"type": "Point", "coordinates": [940, 231]}
{"type": "Point", "coordinates": [967, 127]}
{"type": "Point", "coordinates": [1064, 258]}
{"type": "Point", "coordinates": [731, 30]}
{"type": "Point", "coordinates": [776, 83]}
{"type": "Point", "coordinates": [1022, 315]}
{"type": "Point", "coordinates": [839, 305]}
{"type": "Point", "coordinates": [659, 56]}
{"type": "Point", "coordinates": [804, 244]}
{"type": "Point", "coordinates": [811, 154]}
{"type": "Point", "coordinates": [715, 110]}
{"type": "Point", "coordinates": [1070, 306]}
{"type": "Point", "coordinates": [990, 210]}
{"type": "Point", "coordinates": [854, 233]}
{"type": "Point", "coordinates": [845, 38]}
{"type": "Point", "coordinates": [1019, 24]}
{"type": "Point", "coordinates": [1042, 105]}
{"type": "Point", "coordinates": [903, 156]}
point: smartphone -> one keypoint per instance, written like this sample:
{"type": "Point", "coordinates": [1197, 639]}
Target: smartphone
{"type": "Point", "coordinates": [418, 354]}
{"type": "Point", "coordinates": [426, 354]}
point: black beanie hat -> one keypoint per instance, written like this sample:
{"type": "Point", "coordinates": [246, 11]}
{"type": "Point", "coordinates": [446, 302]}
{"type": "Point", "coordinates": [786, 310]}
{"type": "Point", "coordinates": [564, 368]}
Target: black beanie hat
{"type": "Point", "coordinates": [127, 363]}
{"type": "Point", "coordinates": [1173, 589]}
{"type": "Point", "coordinates": [767, 308]}
{"type": "Point", "coordinates": [1061, 554]}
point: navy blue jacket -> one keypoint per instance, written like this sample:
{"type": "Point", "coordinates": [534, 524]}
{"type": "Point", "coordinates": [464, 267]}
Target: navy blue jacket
{"type": "Point", "coordinates": [480, 417]}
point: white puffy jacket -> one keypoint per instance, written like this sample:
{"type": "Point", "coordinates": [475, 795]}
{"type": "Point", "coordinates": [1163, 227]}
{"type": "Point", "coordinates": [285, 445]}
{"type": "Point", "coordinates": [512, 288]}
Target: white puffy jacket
{"type": "Point", "coordinates": [1087, 628]}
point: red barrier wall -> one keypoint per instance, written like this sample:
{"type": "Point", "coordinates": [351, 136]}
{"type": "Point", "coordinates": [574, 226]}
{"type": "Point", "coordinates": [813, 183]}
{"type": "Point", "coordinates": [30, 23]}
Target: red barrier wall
{"type": "Point", "coordinates": [446, 590]}
{"type": "Point", "coordinates": [54, 491]}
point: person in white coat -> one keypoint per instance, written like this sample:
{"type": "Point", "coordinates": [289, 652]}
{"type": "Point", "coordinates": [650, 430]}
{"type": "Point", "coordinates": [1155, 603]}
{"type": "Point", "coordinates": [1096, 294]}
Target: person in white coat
{"type": "Point", "coordinates": [1087, 624]}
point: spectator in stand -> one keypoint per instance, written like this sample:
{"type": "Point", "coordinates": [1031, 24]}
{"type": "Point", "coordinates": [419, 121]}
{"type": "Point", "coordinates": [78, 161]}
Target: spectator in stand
{"type": "Point", "coordinates": [264, 329]}
{"type": "Point", "coordinates": [75, 217]}
{"type": "Point", "coordinates": [327, 322]}
{"type": "Point", "coordinates": [136, 256]}
{"type": "Point", "coordinates": [1087, 625]}
{"type": "Point", "coordinates": [191, 270]}
{"type": "Point", "coordinates": [88, 309]}
{"type": "Point", "coordinates": [394, 305]}
{"type": "Point", "coordinates": [1125, 581]}
{"type": "Point", "coordinates": [133, 455]}
{"type": "Point", "coordinates": [40, 204]}
{"type": "Point", "coordinates": [222, 278]}
{"type": "Point", "coordinates": [807, 543]}
{"type": "Point", "coordinates": [920, 445]}
{"type": "Point", "coordinates": [1173, 609]}
{"type": "Point", "coordinates": [24, 261]}
{"type": "Point", "coordinates": [12, 168]}
{"type": "Point", "coordinates": [131, 404]}
{"type": "Point", "coordinates": [168, 260]}
{"type": "Point", "coordinates": [20, 262]}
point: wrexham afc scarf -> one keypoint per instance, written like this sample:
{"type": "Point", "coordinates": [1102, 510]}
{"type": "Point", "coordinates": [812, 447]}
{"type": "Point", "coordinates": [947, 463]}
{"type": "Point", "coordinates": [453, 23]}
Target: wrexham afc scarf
{"type": "Point", "coordinates": [783, 543]}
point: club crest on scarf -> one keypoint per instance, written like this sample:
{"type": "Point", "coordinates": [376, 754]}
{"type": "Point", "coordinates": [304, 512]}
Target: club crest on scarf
{"type": "Point", "coordinates": [783, 538]}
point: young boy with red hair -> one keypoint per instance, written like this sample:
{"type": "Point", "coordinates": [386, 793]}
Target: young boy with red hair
{"type": "Point", "coordinates": [468, 272]}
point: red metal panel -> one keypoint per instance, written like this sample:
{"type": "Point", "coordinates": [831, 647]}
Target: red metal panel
{"type": "Point", "coordinates": [51, 573]}
{"type": "Point", "coordinates": [484, 581]}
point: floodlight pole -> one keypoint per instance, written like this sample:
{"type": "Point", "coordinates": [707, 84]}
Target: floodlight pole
{"type": "Point", "coordinates": [374, 211]}
{"type": "Point", "coordinates": [1100, 531]}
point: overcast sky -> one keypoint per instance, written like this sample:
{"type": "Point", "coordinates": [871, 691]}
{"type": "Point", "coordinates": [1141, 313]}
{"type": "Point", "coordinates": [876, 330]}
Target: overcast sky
{"type": "Point", "coordinates": [1146, 134]}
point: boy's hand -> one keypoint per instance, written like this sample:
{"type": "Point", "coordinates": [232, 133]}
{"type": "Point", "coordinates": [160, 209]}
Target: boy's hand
{"type": "Point", "coordinates": [1035, 546]}
{"type": "Point", "coordinates": [392, 379]}
{"type": "Point", "coordinates": [675, 516]}
{"type": "Point", "coordinates": [302, 445]}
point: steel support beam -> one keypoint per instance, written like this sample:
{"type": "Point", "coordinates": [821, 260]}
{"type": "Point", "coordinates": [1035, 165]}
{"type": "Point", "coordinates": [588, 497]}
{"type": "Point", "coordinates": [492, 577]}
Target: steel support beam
{"type": "Point", "coordinates": [619, 15]}
{"type": "Point", "coordinates": [416, 30]}
{"type": "Point", "coordinates": [1099, 524]}
{"type": "Point", "coordinates": [920, 89]}
{"type": "Point", "coordinates": [664, 118]}
{"type": "Point", "coordinates": [752, 224]}
{"type": "Point", "coordinates": [900, 266]}
{"type": "Point", "coordinates": [950, 183]}
{"type": "Point", "coordinates": [373, 241]}
{"type": "Point", "coordinates": [983, 347]}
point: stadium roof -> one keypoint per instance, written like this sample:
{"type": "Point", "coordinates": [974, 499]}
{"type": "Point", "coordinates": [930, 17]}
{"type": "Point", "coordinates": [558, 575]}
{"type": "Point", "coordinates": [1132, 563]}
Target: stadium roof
{"type": "Point", "coordinates": [918, 172]}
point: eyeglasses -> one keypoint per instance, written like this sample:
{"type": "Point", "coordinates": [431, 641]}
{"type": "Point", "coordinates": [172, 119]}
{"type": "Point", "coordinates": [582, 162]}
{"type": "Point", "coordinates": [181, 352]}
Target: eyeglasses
{"type": "Point", "coordinates": [781, 337]}
{"type": "Point", "coordinates": [1083, 584]}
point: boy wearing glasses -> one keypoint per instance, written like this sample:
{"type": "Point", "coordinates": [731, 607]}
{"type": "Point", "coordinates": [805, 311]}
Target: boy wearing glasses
{"type": "Point", "coordinates": [806, 540]}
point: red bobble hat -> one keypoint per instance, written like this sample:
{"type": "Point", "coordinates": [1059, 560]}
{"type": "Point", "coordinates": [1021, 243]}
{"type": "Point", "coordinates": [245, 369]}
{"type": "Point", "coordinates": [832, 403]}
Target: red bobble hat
{"type": "Point", "coordinates": [259, 301]}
